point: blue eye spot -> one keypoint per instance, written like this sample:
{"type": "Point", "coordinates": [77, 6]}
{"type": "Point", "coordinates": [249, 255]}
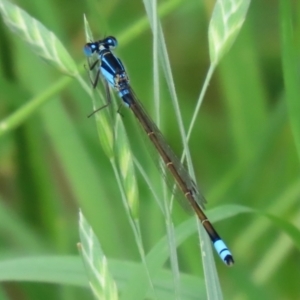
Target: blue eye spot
{"type": "Point", "coordinates": [87, 50]}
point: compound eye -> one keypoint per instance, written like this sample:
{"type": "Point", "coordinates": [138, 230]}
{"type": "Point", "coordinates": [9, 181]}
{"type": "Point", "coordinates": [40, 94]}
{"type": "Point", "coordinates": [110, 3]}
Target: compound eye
{"type": "Point", "coordinates": [90, 48]}
{"type": "Point", "coordinates": [111, 42]}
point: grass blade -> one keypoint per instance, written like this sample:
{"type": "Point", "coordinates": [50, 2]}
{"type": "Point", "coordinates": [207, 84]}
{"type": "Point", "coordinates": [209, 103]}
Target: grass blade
{"type": "Point", "coordinates": [40, 39]}
{"type": "Point", "coordinates": [290, 58]}
{"type": "Point", "coordinates": [227, 19]}
{"type": "Point", "coordinates": [101, 281]}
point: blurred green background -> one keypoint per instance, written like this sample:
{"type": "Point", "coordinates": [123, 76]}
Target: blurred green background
{"type": "Point", "coordinates": [242, 145]}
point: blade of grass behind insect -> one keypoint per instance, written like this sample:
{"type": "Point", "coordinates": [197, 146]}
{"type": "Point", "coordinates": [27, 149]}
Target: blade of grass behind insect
{"type": "Point", "coordinates": [290, 58]}
{"type": "Point", "coordinates": [209, 269]}
{"type": "Point", "coordinates": [31, 106]}
{"type": "Point", "coordinates": [151, 8]}
{"type": "Point", "coordinates": [226, 21]}
{"type": "Point", "coordinates": [41, 40]}
{"type": "Point", "coordinates": [51, 269]}
{"type": "Point", "coordinates": [159, 254]}
{"type": "Point", "coordinates": [164, 58]}
{"type": "Point", "coordinates": [44, 43]}
{"type": "Point", "coordinates": [130, 206]}
{"type": "Point", "coordinates": [96, 263]}
{"type": "Point", "coordinates": [71, 272]}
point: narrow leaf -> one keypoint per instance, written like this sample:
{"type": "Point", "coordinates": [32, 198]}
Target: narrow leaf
{"type": "Point", "coordinates": [101, 281]}
{"type": "Point", "coordinates": [41, 40]}
{"type": "Point", "coordinates": [290, 66]}
{"type": "Point", "coordinates": [225, 24]}
{"type": "Point", "coordinates": [126, 166]}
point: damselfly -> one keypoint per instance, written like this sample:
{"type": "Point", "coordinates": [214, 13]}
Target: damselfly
{"type": "Point", "coordinates": [113, 71]}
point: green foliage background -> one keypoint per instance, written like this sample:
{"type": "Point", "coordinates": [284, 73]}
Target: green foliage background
{"type": "Point", "coordinates": [243, 146]}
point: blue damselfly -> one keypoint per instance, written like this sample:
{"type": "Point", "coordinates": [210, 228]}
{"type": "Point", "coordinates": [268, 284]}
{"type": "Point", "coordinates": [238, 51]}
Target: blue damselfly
{"type": "Point", "coordinates": [113, 71]}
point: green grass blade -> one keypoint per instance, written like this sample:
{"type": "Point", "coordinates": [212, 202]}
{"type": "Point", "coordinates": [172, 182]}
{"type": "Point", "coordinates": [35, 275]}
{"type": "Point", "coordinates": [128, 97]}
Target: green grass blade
{"type": "Point", "coordinates": [50, 269]}
{"type": "Point", "coordinates": [101, 281]}
{"type": "Point", "coordinates": [159, 254]}
{"type": "Point", "coordinates": [166, 65]}
{"type": "Point", "coordinates": [32, 105]}
{"type": "Point", "coordinates": [41, 40]}
{"type": "Point", "coordinates": [225, 24]}
{"type": "Point", "coordinates": [290, 58]}
{"type": "Point", "coordinates": [70, 271]}
{"type": "Point", "coordinates": [226, 21]}
{"type": "Point", "coordinates": [126, 167]}
{"type": "Point", "coordinates": [158, 41]}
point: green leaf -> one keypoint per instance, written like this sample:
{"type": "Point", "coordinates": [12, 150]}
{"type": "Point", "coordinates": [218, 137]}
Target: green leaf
{"type": "Point", "coordinates": [101, 281]}
{"type": "Point", "coordinates": [225, 24]}
{"type": "Point", "coordinates": [69, 270]}
{"type": "Point", "coordinates": [159, 254]}
{"type": "Point", "coordinates": [290, 64]}
{"type": "Point", "coordinates": [50, 269]}
{"type": "Point", "coordinates": [126, 166]}
{"type": "Point", "coordinates": [41, 40]}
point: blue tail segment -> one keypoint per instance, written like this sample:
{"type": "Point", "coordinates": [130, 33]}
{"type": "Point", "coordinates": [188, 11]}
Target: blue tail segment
{"type": "Point", "coordinates": [223, 252]}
